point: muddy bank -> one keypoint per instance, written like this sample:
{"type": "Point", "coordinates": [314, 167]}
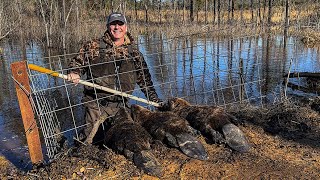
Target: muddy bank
{"type": "Point", "coordinates": [8, 170]}
{"type": "Point", "coordinates": [284, 142]}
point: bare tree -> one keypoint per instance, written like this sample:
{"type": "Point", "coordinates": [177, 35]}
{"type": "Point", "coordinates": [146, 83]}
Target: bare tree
{"type": "Point", "coordinates": [232, 10]}
{"type": "Point", "coordinates": [259, 12]}
{"type": "Point", "coordinates": [174, 9]}
{"type": "Point", "coordinates": [214, 11]}
{"type": "Point", "coordinates": [264, 9]}
{"type": "Point", "coordinates": [251, 7]}
{"type": "Point", "coordinates": [184, 10]}
{"type": "Point", "coordinates": [78, 18]}
{"type": "Point", "coordinates": [9, 18]}
{"type": "Point", "coordinates": [219, 12]}
{"type": "Point", "coordinates": [65, 18]}
{"type": "Point", "coordinates": [191, 10]}
{"type": "Point", "coordinates": [241, 11]}
{"type": "Point", "coordinates": [229, 10]}
{"type": "Point", "coordinates": [206, 11]}
{"type": "Point", "coordinates": [146, 10]}
{"type": "Point", "coordinates": [135, 9]}
{"type": "Point", "coordinates": [160, 11]}
{"type": "Point", "coordinates": [269, 12]}
{"type": "Point", "coordinates": [46, 11]}
{"type": "Point", "coordinates": [286, 21]}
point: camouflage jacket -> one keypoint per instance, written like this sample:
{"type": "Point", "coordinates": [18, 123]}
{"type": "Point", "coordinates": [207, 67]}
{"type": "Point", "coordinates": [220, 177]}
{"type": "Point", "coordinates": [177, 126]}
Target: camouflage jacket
{"type": "Point", "coordinates": [114, 67]}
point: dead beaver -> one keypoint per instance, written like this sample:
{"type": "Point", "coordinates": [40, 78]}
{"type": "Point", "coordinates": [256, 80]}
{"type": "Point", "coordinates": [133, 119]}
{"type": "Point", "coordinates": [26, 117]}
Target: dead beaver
{"type": "Point", "coordinates": [211, 121]}
{"type": "Point", "coordinates": [133, 141]}
{"type": "Point", "coordinates": [170, 129]}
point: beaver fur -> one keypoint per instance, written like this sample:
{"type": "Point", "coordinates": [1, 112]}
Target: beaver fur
{"type": "Point", "coordinates": [133, 141]}
{"type": "Point", "coordinates": [170, 129]}
{"type": "Point", "coordinates": [212, 121]}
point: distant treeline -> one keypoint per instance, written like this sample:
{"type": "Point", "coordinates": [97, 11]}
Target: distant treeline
{"type": "Point", "coordinates": [206, 10]}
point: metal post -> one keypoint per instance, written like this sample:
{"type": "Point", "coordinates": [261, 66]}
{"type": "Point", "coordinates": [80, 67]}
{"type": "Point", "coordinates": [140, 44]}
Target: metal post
{"type": "Point", "coordinates": [19, 72]}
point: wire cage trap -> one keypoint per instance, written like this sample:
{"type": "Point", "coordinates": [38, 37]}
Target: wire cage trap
{"type": "Point", "coordinates": [201, 70]}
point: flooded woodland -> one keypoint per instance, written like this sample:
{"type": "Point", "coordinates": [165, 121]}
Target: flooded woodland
{"type": "Point", "coordinates": [238, 58]}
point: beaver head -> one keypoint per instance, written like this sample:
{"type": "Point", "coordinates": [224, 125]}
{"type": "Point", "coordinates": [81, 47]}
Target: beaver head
{"type": "Point", "coordinates": [121, 116]}
{"type": "Point", "coordinates": [138, 112]}
{"type": "Point", "coordinates": [177, 103]}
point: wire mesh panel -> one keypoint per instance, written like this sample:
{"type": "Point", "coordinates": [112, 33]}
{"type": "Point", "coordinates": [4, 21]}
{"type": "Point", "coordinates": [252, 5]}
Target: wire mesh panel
{"type": "Point", "coordinates": [53, 105]}
{"type": "Point", "coordinates": [45, 106]}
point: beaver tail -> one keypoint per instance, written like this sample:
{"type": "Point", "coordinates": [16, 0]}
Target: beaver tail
{"type": "Point", "coordinates": [146, 161]}
{"type": "Point", "coordinates": [191, 147]}
{"type": "Point", "coordinates": [235, 138]}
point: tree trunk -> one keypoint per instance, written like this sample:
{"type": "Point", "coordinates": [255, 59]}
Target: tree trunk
{"type": "Point", "coordinates": [259, 12]}
{"type": "Point", "coordinates": [64, 25]}
{"type": "Point", "coordinates": [184, 11]}
{"type": "Point", "coordinates": [78, 19]}
{"type": "Point", "coordinates": [46, 13]}
{"type": "Point", "coordinates": [21, 31]}
{"type": "Point", "coordinates": [269, 13]}
{"type": "Point", "coordinates": [111, 3]}
{"type": "Point", "coordinates": [197, 13]}
{"type": "Point", "coordinates": [286, 22]}
{"type": "Point", "coordinates": [232, 10]}
{"type": "Point", "coordinates": [173, 5]}
{"type": "Point", "coordinates": [229, 10]}
{"type": "Point", "coordinates": [264, 9]}
{"type": "Point", "coordinates": [219, 13]}
{"type": "Point", "coordinates": [175, 10]}
{"type": "Point", "coordinates": [146, 10]}
{"type": "Point", "coordinates": [206, 12]}
{"type": "Point", "coordinates": [191, 11]}
{"type": "Point", "coordinates": [251, 7]}
{"type": "Point", "coordinates": [302, 74]}
{"type": "Point", "coordinates": [241, 12]}
{"type": "Point", "coordinates": [160, 12]}
{"type": "Point", "coordinates": [135, 10]}
{"type": "Point", "coordinates": [214, 11]}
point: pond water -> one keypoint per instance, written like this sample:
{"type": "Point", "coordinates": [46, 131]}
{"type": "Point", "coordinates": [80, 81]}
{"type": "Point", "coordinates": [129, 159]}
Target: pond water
{"type": "Point", "coordinates": [201, 69]}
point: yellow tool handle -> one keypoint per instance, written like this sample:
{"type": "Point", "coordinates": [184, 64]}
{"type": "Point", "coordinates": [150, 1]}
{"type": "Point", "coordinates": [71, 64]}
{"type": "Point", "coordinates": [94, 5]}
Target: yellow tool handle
{"type": "Point", "coordinates": [56, 74]}
{"type": "Point", "coordinates": [43, 70]}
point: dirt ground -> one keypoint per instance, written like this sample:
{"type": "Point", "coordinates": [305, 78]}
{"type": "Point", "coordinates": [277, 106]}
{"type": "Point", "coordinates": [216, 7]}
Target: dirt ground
{"type": "Point", "coordinates": [284, 138]}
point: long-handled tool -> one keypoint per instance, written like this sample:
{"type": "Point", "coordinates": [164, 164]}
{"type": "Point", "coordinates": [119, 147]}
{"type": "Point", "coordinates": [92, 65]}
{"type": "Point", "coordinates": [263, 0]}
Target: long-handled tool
{"type": "Point", "coordinates": [56, 74]}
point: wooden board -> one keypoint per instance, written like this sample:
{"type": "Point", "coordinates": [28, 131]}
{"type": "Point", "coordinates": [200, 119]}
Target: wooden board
{"type": "Point", "coordinates": [19, 72]}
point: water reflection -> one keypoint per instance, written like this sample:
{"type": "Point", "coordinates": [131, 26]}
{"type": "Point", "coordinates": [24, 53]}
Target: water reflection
{"type": "Point", "coordinates": [203, 69]}
{"type": "Point", "coordinates": [215, 66]}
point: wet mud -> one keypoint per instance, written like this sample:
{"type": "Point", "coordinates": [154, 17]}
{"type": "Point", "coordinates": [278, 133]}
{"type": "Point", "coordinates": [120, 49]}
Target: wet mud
{"type": "Point", "coordinates": [284, 141]}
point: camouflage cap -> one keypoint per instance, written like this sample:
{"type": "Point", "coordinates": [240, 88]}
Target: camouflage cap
{"type": "Point", "coordinates": [115, 16]}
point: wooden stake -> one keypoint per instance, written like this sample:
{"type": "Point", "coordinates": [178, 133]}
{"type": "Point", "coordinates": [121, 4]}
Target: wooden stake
{"type": "Point", "coordinates": [19, 72]}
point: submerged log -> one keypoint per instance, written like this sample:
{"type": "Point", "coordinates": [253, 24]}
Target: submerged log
{"type": "Point", "coordinates": [302, 74]}
{"type": "Point", "coordinates": [303, 89]}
